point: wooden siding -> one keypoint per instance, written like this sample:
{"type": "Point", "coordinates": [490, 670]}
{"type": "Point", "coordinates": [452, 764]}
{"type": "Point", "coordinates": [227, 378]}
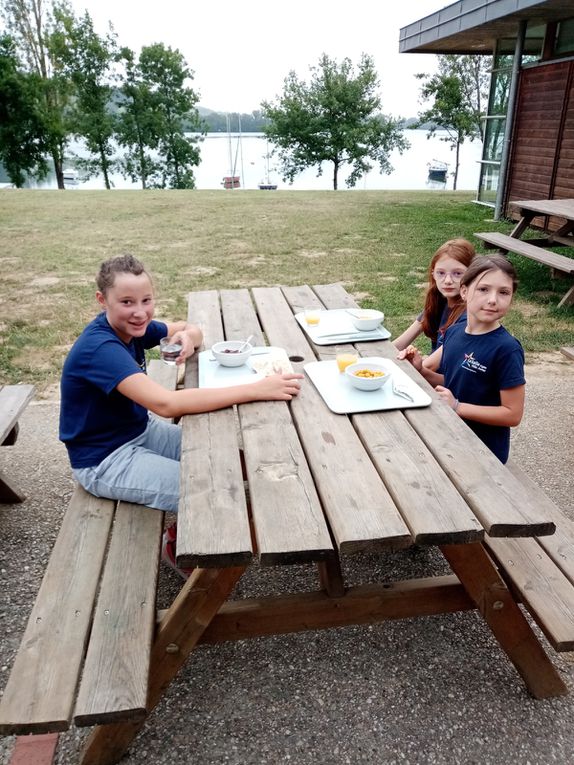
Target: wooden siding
{"type": "Point", "coordinates": [542, 156]}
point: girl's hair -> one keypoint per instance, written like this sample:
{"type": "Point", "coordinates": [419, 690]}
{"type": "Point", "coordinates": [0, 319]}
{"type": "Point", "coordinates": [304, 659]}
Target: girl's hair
{"type": "Point", "coordinates": [122, 264]}
{"type": "Point", "coordinates": [464, 252]}
{"type": "Point", "coordinates": [483, 263]}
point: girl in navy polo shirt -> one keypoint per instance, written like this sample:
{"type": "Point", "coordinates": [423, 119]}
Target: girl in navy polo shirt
{"type": "Point", "coordinates": [115, 448]}
{"type": "Point", "coordinates": [479, 369]}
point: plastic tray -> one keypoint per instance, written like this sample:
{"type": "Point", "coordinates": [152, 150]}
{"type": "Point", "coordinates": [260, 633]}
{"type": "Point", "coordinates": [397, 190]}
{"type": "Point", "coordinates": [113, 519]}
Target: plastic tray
{"type": "Point", "coordinates": [336, 327]}
{"type": "Point", "coordinates": [342, 398]}
{"type": "Point", "coordinates": [211, 374]}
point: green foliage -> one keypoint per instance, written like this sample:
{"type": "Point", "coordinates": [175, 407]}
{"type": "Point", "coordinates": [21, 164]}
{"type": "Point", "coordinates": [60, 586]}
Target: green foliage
{"type": "Point", "coordinates": [333, 118]}
{"type": "Point", "coordinates": [23, 133]}
{"type": "Point", "coordinates": [86, 60]}
{"type": "Point", "coordinates": [458, 95]}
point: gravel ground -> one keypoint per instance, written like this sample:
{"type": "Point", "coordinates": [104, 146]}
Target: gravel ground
{"type": "Point", "coordinates": [430, 690]}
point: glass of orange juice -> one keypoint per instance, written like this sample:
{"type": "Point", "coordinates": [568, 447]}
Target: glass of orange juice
{"type": "Point", "coordinates": [312, 316]}
{"type": "Point", "coordinates": [344, 358]}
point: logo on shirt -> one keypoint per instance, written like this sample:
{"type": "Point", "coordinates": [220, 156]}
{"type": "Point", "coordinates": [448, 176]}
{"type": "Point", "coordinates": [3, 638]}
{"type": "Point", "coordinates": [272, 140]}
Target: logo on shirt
{"type": "Point", "coordinates": [472, 364]}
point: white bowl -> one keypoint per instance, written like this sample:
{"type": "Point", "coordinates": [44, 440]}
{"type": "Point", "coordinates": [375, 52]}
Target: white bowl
{"type": "Point", "coordinates": [367, 318]}
{"type": "Point", "coordinates": [367, 383]}
{"type": "Point", "coordinates": [226, 352]}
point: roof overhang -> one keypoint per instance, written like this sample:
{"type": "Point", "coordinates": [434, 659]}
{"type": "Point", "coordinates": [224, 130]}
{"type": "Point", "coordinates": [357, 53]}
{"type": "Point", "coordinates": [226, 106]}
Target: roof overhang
{"type": "Point", "coordinates": [473, 26]}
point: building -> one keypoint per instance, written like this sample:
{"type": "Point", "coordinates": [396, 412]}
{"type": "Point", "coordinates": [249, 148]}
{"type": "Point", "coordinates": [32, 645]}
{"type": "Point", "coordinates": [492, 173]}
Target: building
{"type": "Point", "coordinates": [528, 150]}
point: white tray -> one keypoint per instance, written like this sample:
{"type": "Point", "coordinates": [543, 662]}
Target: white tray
{"type": "Point", "coordinates": [211, 374]}
{"type": "Point", "coordinates": [342, 398]}
{"type": "Point", "coordinates": [336, 326]}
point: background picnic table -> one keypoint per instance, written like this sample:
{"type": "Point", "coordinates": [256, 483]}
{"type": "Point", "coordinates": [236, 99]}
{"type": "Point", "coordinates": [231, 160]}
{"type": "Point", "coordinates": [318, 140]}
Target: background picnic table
{"type": "Point", "coordinates": [358, 694]}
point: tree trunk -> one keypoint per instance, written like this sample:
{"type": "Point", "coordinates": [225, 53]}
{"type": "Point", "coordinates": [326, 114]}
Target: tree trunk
{"type": "Point", "coordinates": [455, 179]}
{"type": "Point", "coordinates": [335, 174]}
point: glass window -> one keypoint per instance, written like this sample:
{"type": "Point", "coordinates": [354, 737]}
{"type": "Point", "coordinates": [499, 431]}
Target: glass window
{"type": "Point", "coordinates": [488, 185]}
{"type": "Point", "coordinates": [565, 37]}
{"type": "Point", "coordinates": [493, 139]}
{"type": "Point", "coordinates": [499, 89]}
{"type": "Point", "coordinates": [534, 41]}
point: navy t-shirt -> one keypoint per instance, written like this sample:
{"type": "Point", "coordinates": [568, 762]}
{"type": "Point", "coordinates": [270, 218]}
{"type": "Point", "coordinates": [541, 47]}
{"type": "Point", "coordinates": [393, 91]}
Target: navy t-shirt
{"type": "Point", "coordinates": [442, 321]}
{"type": "Point", "coordinates": [95, 419]}
{"type": "Point", "coordinates": [476, 368]}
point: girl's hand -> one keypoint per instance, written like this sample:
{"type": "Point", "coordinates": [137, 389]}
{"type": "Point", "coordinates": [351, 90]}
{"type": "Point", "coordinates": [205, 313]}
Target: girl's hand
{"type": "Point", "coordinates": [279, 387]}
{"type": "Point", "coordinates": [412, 354]}
{"type": "Point", "coordinates": [447, 397]}
{"type": "Point", "coordinates": [190, 339]}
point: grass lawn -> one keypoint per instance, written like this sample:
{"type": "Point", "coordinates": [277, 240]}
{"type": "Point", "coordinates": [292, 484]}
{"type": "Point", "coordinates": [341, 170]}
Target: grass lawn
{"type": "Point", "coordinates": [378, 244]}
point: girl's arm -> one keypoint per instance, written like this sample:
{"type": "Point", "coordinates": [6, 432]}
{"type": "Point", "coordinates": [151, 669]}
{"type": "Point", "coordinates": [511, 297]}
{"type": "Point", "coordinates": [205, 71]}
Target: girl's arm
{"type": "Point", "coordinates": [508, 414]}
{"type": "Point", "coordinates": [428, 366]}
{"type": "Point", "coordinates": [408, 336]}
{"type": "Point", "coordinates": [190, 336]}
{"type": "Point", "coordinates": [168, 403]}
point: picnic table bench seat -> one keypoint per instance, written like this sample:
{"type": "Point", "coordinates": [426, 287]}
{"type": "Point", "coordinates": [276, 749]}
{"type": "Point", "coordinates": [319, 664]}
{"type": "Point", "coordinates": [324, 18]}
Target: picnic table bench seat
{"type": "Point", "coordinates": [85, 652]}
{"type": "Point", "coordinates": [13, 400]}
{"type": "Point", "coordinates": [509, 243]}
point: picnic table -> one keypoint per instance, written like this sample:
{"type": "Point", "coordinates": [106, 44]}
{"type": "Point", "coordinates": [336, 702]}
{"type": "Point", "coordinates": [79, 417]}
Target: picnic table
{"type": "Point", "coordinates": [13, 400]}
{"type": "Point", "coordinates": [563, 236]}
{"type": "Point", "coordinates": [283, 483]}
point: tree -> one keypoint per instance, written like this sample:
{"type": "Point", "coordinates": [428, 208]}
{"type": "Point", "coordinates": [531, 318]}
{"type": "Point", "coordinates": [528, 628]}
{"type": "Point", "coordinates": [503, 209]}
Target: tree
{"type": "Point", "coordinates": [458, 92]}
{"type": "Point", "coordinates": [334, 118]}
{"type": "Point", "coordinates": [161, 104]}
{"type": "Point", "coordinates": [23, 135]}
{"type": "Point", "coordinates": [31, 27]}
{"type": "Point", "coordinates": [86, 59]}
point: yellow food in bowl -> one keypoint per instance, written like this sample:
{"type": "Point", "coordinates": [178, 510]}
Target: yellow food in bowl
{"type": "Point", "coordinates": [368, 373]}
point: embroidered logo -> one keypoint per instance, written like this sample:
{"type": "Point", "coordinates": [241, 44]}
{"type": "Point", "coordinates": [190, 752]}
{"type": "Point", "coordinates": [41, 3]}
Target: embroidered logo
{"type": "Point", "coordinates": [471, 364]}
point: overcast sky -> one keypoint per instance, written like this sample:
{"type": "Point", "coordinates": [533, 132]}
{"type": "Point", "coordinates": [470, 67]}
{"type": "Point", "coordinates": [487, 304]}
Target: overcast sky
{"type": "Point", "coordinates": [241, 52]}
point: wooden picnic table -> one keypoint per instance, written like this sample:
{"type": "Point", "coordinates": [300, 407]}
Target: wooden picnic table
{"type": "Point", "coordinates": [563, 236]}
{"type": "Point", "coordinates": [314, 486]}
{"type": "Point", "coordinates": [13, 400]}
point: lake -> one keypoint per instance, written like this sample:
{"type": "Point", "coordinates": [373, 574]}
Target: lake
{"type": "Point", "coordinates": [245, 155]}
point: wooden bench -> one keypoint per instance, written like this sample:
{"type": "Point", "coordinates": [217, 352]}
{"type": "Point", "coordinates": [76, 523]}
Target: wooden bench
{"type": "Point", "coordinates": [96, 609]}
{"type": "Point", "coordinates": [13, 400]}
{"type": "Point", "coordinates": [567, 351]}
{"type": "Point", "coordinates": [557, 262]}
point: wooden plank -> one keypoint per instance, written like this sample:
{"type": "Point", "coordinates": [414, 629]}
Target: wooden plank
{"type": "Point", "coordinates": [365, 604]}
{"type": "Point", "coordinates": [9, 494]}
{"type": "Point", "coordinates": [547, 593]}
{"type": "Point", "coordinates": [179, 632]}
{"type": "Point", "coordinates": [288, 518]}
{"type": "Point", "coordinates": [13, 400]}
{"type": "Point", "coordinates": [42, 686]}
{"type": "Point", "coordinates": [567, 351]}
{"type": "Point", "coordinates": [115, 677]}
{"type": "Point", "coordinates": [562, 208]}
{"type": "Point", "coordinates": [521, 247]}
{"type": "Point", "coordinates": [213, 524]}
{"type": "Point", "coordinates": [485, 586]}
{"type": "Point", "coordinates": [501, 504]}
{"type": "Point", "coordinates": [360, 511]}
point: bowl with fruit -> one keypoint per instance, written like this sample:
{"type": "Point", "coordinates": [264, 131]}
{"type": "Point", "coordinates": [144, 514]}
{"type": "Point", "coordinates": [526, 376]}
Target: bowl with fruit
{"type": "Point", "coordinates": [367, 375]}
{"type": "Point", "coordinates": [231, 353]}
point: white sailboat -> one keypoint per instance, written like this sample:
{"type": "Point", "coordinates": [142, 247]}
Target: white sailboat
{"type": "Point", "coordinates": [266, 183]}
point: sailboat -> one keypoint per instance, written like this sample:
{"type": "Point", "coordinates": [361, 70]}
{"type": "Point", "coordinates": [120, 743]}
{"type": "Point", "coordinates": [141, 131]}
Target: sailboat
{"type": "Point", "coordinates": [233, 181]}
{"type": "Point", "coordinates": [266, 184]}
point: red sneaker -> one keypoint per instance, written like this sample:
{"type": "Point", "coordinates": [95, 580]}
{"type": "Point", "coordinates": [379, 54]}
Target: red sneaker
{"type": "Point", "coordinates": [168, 551]}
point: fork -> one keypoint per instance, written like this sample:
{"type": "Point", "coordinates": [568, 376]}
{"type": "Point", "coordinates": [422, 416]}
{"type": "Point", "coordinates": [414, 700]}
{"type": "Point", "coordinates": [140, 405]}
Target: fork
{"type": "Point", "coordinates": [400, 390]}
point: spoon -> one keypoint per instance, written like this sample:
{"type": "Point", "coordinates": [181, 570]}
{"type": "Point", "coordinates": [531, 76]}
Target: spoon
{"type": "Point", "coordinates": [244, 343]}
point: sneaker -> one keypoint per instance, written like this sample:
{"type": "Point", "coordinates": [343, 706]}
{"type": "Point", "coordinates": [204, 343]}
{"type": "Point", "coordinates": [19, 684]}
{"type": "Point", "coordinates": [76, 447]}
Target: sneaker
{"type": "Point", "coordinates": [168, 552]}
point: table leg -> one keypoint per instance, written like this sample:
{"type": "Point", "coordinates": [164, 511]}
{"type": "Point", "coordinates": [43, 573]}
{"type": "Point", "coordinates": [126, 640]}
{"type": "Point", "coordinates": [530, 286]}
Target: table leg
{"type": "Point", "coordinates": [8, 493]}
{"type": "Point", "coordinates": [331, 576]}
{"type": "Point", "coordinates": [522, 224]}
{"type": "Point", "coordinates": [178, 633]}
{"type": "Point", "coordinates": [479, 576]}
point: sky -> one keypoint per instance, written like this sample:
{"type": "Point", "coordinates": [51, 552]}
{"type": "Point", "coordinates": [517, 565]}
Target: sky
{"type": "Point", "coordinates": [241, 52]}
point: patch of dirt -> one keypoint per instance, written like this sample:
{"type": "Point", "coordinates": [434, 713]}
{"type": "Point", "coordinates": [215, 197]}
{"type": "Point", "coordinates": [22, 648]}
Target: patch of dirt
{"type": "Point", "coordinates": [312, 254]}
{"type": "Point", "coordinates": [44, 281]}
{"type": "Point", "coordinates": [202, 271]}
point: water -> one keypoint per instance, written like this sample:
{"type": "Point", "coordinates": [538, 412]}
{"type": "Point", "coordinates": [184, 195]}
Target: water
{"type": "Point", "coordinates": [245, 156]}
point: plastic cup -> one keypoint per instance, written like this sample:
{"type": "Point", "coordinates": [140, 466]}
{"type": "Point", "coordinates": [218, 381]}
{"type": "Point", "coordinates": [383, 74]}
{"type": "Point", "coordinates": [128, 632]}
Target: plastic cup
{"type": "Point", "coordinates": [312, 316]}
{"type": "Point", "coordinates": [169, 351]}
{"type": "Point", "coordinates": [344, 359]}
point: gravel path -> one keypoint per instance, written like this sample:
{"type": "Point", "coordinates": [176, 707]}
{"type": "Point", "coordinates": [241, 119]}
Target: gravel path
{"type": "Point", "coordinates": [430, 690]}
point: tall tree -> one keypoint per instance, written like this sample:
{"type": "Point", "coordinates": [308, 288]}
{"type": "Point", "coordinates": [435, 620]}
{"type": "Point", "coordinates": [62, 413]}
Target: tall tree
{"type": "Point", "coordinates": [23, 134]}
{"type": "Point", "coordinates": [334, 118]}
{"type": "Point", "coordinates": [31, 24]}
{"type": "Point", "coordinates": [87, 60]}
{"type": "Point", "coordinates": [458, 92]}
{"type": "Point", "coordinates": [166, 106]}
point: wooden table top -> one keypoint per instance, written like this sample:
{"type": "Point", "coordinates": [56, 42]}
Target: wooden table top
{"type": "Point", "coordinates": [560, 208]}
{"type": "Point", "coordinates": [320, 482]}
